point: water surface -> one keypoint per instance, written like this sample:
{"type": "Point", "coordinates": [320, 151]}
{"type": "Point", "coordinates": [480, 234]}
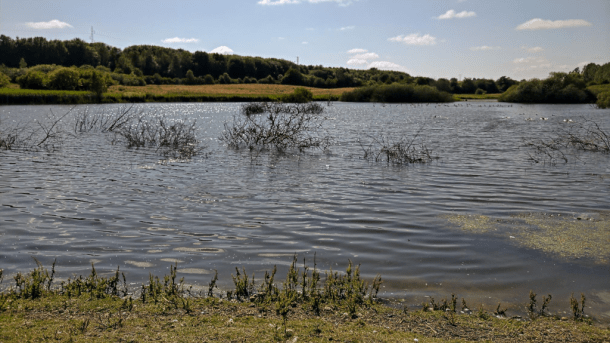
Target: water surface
{"type": "Point", "coordinates": [94, 201]}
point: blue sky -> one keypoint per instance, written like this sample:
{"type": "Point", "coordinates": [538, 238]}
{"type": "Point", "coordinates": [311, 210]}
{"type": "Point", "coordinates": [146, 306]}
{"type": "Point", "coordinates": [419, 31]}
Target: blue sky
{"type": "Point", "coordinates": [434, 38]}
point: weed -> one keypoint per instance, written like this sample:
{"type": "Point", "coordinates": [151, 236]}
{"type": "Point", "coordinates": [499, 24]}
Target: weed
{"type": "Point", "coordinates": [276, 126]}
{"type": "Point", "coordinates": [399, 152]}
{"type": "Point", "coordinates": [243, 288]}
{"type": "Point", "coordinates": [531, 307]}
{"type": "Point", "coordinates": [36, 283]}
{"type": "Point", "coordinates": [500, 311]}
{"type": "Point", "coordinates": [481, 313]}
{"type": "Point", "coordinates": [212, 284]}
{"type": "Point", "coordinates": [578, 312]}
{"type": "Point", "coordinates": [545, 303]}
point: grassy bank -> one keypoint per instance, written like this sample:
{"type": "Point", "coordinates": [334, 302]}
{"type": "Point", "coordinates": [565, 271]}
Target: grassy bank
{"type": "Point", "coordinates": [163, 93]}
{"type": "Point", "coordinates": [306, 307]}
{"type": "Point", "coordinates": [462, 97]}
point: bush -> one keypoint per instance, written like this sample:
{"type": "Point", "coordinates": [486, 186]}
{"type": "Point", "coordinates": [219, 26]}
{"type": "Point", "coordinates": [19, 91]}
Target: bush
{"type": "Point", "coordinates": [32, 80]}
{"type": "Point", "coordinates": [299, 95]}
{"type": "Point", "coordinates": [603, 100]}
{"type": "Point", "coordinates": [276, 126]}
{"type": "Point", "coordinates": [64, 79]}
{"type": "Point", "coordinates": [4, 80]}
{"type": "Point", "coordinates": [479, 91]}
{"type": "Point", "coordinates": [396, 93]}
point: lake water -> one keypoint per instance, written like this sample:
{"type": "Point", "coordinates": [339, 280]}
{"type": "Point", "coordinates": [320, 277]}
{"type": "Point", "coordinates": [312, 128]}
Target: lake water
{"type": "Point", "coordinates": [482, 220]}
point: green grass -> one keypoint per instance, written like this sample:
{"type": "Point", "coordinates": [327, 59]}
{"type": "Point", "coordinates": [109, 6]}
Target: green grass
{"type": "Point", "coordinates": [303, 308]}
{"type": "Point", "coordinates": [16, 96]}
{"type": "Point", "coordinates": [599, 89]}
{"type": "Point", "coordinates": [460, 97]}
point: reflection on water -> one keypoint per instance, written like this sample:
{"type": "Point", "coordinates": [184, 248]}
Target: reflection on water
{"type": "Point", "coordinates": [93, 201]}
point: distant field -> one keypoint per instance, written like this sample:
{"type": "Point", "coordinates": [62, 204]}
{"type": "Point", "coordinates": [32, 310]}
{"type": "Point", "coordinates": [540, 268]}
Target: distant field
{"type": "Point", "coordinates": [476, 96]}
{"type": "Point", "coordinates": [247, 90]}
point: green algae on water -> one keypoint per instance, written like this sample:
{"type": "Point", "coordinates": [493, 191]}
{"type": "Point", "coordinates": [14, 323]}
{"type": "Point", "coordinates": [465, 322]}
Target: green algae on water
{"type": "Point", "coordinates": [565, 236]}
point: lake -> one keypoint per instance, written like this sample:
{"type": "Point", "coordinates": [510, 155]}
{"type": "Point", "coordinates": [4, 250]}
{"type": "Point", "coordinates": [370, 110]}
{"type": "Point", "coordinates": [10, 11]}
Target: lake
{"type": "Point", "coordinates": [482, 220]}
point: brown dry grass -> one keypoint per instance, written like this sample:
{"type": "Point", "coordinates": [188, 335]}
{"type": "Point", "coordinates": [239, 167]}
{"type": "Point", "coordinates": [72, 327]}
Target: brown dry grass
{"type": "Point", "coordinates": [224, 90]}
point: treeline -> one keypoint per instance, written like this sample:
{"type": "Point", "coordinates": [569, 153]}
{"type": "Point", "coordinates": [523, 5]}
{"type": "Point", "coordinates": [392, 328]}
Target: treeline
{"type": "Point", "coordinates": [563, 88]}
{"type": "Point", "coordinates": [145, 64]}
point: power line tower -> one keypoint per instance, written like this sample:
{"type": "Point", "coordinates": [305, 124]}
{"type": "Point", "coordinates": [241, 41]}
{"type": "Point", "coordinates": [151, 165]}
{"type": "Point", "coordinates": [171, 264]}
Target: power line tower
{"type": "Point", "coordinates": [92, 33]}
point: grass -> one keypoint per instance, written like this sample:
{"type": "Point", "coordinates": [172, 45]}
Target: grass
{"type": "Point", "coordinates": [461, 97]}
{"type": "Point", "coordinates": [250, 90]}
{"type": "Point", "coordinates": [164, 93]}
{"type": "Point", "coordinates": [599, 88]}
{"type": "Point", "coordinates": [303, 308]}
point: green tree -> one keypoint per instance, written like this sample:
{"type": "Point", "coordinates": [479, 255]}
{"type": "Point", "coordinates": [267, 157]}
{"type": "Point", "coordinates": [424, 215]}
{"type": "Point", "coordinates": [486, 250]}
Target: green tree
{"type": "Point", "coordinates": [33, 79]}
{"type": "Point", "coordinates": [22, 63]}
{"type": "Point", "coordinates": [98, 85]}
{"type": "Point", "coordinates": [64, 79]}
{"type": "Point", "coordinates": [4, 80]}
{"type": "Point", "coordinates": [293, 77]}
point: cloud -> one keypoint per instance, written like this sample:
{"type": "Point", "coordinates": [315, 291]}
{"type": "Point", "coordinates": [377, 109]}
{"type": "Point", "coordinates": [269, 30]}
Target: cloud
{"type": "Point", "coordinates": [288, 2]}
{"type": "Point", "coordinates": [278, 2]}
{"type": "Point", "coordinates": [451, 14]}
{"type": "Point", "coordinates": [532, 50]}
{"type": "Point", "coordinates": [45, 25]}
{"type": "Point", "coordinates": [384, 65]}
{"type": "Point", "coordinates": [356, 62]}
{"type": "Point", "coordinates": [357, 51]}
{"type": "Point", "coordinates": [180, 40]}
{"type": "Point", "coordinates": [366, 56]}
{"type": "Point", "coordinates": [541, 24]}
{"type": "Point", "coordinates": [223, 50]}
{"type": "Point", "coordinates": [305, 43]}
{"type": "Point", "coordinates": [414, 39]}
{"type": "Point", "coordinates": [347, 28]}
{"type": "Point", "coordinates": [485, 48]}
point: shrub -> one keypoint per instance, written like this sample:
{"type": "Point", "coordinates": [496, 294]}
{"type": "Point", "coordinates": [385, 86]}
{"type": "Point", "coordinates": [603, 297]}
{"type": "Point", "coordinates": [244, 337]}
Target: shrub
{"type": "Point", "coordinates": [64, 79]}
{"type": "Point", "coordinates": [603, 100]}
{"type": "Point", "coordinates": [276, 126]}
{"type": "Point", "coordinates": [396, 93]}
{"type": "Point", "coordinates": [32, 80]}
{"type": "Point", "coordinates": [4, 80]}
{"type": "Point", "coordinates": [479, 91]}
{"type": "Point", "coordinates": [299, 95]}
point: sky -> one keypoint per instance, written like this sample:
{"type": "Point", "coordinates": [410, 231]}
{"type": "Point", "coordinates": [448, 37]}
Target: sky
{"type": "Point", "coordinates": [432, 38]}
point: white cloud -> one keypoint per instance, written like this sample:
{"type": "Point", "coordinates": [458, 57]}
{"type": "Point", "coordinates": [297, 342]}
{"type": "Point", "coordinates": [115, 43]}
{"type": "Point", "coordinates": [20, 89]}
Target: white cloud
{"type": "Point", "coordinates": [356, 62]}
{"type": "Point", "coordinates": [347, 28]}
{"type": "Point", "coordinates": [45, 25]}
{"type": "Point", "coordinates": [180, 40]}
{"type": "Point", "coordinates": [533, 49]}
{"type": "Point", "coordinates": [485, 48]}
{"type": "Point", "coordinates": [451, 14]}
{"type": "Point", "coordinates": [277, 2]}
{"type": "Point", "coordinates": [305, 43]}
{"type": "Point", "coordinates": [223, 50]}
{"type": "Point", "coordinates": [415, 39]}
{"type": "Point", "coordinates": [287, 2]}
{"type": "Point", "coordinates": [384, 65]}
{"type": "Point", "coordinates": [366, 56]}
{"type": "Point", "coordinates": [541, 24]}
{"type": "Point", "coordinates": [357, 51]}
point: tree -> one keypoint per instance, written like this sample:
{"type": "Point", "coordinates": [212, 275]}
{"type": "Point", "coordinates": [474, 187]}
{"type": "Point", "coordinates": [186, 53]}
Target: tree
{"type": "Point", "coordinates": [293, 77]}
{"type": "Point", "coordinates": [98, 85]}
{"type": "Point", "coordinates": [22, 63]}
{"type": "Point", "coordinates": [4, 80]}
{"type": "Point", "coordinates": [64, 79]}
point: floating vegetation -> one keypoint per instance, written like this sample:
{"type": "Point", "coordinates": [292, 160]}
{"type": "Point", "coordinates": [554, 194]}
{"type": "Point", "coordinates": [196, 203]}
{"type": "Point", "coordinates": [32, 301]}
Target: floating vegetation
{"type": "Point", "coordinates": [472, 223]}
{"type": "Point", "coordinates": [397, 152]}
{"type": "Point", "coordinates": [565, 236]}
